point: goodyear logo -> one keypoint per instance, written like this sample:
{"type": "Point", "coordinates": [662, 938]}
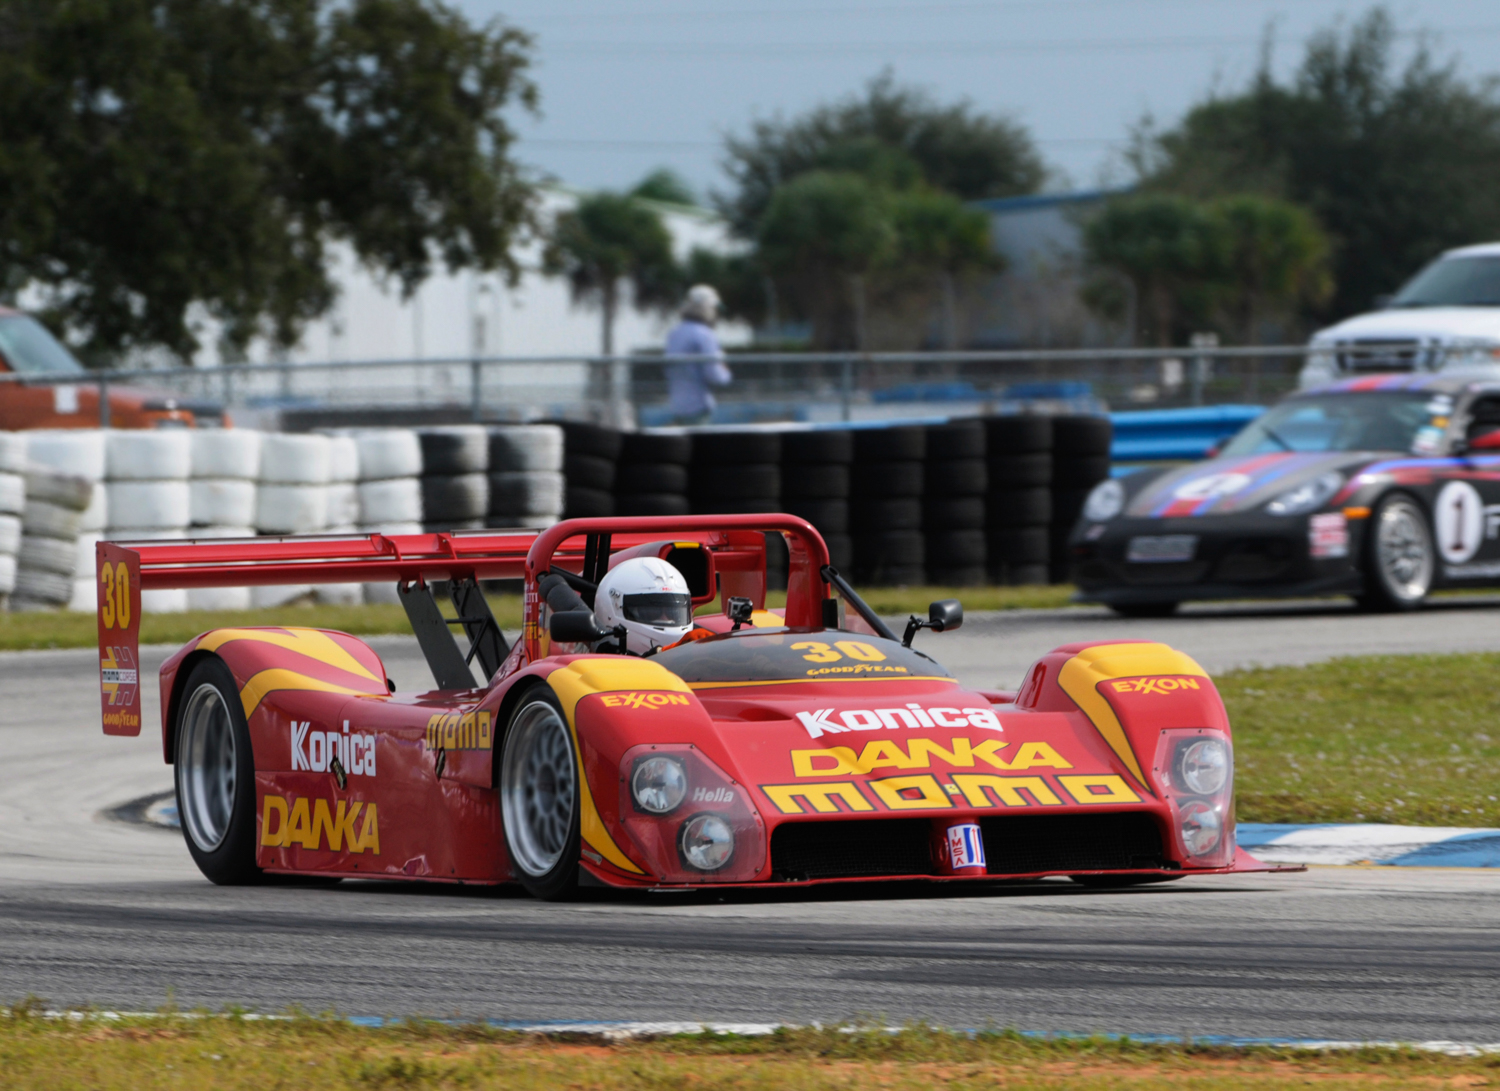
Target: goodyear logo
{"type": "Point", "coordinates": [351, 826]}
{"type": "Point", "coordinates": [1155, 685]}
{"type": "Point", "coordinates": [643, 700]}
{"type": "Point", "coordinates": [460, 731]}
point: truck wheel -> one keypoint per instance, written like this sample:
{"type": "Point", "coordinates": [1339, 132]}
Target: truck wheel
{"type": "Point", "coordinates": [539, 793]}
{"type": "Point", "coordinates": [1399, 557]}
{"type": "Point", "coordinates": [215, 774]}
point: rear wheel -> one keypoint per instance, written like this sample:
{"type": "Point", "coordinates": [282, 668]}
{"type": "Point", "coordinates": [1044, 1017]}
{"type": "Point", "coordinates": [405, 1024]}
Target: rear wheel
{"type": "Point", "coordinates": [539, 791]}
{"type": "Point", "coordinates": [1399, 557]}
{"type": "Point", "coordinates": [1144, 609]}
{"type": "Point", "coordinates": [215, 774]}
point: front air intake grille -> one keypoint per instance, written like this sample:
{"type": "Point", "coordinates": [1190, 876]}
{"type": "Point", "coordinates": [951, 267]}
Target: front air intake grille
{"type": "Point", "coordinates": [863, 848]}
{"type": "Point", "coordinates": [1025, 844]}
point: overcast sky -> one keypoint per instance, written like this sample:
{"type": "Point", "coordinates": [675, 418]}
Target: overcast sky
{"type": "Point", "coordinates": [629, 85]}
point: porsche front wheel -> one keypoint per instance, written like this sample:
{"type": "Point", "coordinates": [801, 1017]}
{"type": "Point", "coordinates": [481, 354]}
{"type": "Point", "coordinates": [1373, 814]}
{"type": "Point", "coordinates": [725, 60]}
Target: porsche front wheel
{"type": "Point", "coordinates": [215, 774]}
{"type": "Point", "coordinates": [539, 793]}
{"type": "Point", "coordinates": [1399, 556]}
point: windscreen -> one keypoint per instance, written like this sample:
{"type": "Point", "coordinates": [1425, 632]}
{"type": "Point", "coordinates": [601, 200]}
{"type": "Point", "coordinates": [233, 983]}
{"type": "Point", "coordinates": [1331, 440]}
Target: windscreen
{"type": "Point", "coordinates": [660, 609]}
{"type": "Point", "coordinates": [30, 349]}
{"type": "Point", "coordinates": [1453, 282]}
{"type": "Point", "coordinates": [821, 655]}
{"type": "Point", "coordinates": [1374, 421]}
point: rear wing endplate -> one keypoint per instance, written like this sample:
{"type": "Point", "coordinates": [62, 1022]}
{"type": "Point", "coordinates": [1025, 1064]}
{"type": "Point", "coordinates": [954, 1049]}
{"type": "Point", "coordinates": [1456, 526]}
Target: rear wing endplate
{"type": "Point", "coordinates": [119, 591]}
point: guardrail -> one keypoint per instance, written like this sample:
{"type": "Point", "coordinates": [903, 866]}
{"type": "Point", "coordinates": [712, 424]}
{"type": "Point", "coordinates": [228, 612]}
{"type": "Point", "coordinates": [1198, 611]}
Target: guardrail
{"type": "Point", "coordinates": [630, 390]}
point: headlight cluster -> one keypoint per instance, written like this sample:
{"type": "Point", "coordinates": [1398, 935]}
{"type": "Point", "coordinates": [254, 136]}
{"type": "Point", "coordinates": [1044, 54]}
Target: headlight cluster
{"type": "Point", "coordinates": [1197, 770]}
{"type": "Point", "coordinates": [1105, 502]}
{"type": "Point", "coordinates": [1308, 496]}
{"type": "Point", "coordinates": [690, 820]}
{"type": "Point", "coordinates": [658, 785]}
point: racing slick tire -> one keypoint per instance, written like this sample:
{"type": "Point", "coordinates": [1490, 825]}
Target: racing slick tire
{"type": "Point", "coordinates": [1145, 609]}
{"type": "Point", "coordinates": [1400, 559]}
{"type": "Point", "coordinates": [214, 771]}
{"type": "Point", "coordinates": [539, 794]}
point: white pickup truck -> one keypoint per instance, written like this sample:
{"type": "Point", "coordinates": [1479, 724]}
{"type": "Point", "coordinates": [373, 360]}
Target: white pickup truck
{"type": "Point", "coordinates": [1446, 318]}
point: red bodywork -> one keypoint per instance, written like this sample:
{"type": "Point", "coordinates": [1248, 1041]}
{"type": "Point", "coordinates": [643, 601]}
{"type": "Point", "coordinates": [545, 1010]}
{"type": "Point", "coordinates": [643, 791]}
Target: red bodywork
{"type": "Point", "coordinates": [833, 728]}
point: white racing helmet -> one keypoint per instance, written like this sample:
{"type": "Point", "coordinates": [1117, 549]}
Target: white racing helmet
{"type": "Point", "coordinates": [650, 599]}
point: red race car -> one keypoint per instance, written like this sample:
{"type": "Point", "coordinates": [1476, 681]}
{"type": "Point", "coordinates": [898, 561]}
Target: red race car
{"type": "Point", "coordinates": [762, 747]}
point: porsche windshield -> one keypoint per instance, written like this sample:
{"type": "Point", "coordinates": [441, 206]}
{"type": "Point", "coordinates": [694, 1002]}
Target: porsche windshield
{"type": "Point", "coordinates": [1453, 282]}
{"type": "Point", "coordinates": [1376, 421]}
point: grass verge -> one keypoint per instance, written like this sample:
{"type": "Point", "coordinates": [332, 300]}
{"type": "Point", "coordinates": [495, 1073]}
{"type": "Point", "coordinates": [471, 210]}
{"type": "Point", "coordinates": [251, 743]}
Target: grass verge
{"type": "Point", "coordinates": [1411, 739]}
{"type": "Point", "coordinates": [331, 1056]}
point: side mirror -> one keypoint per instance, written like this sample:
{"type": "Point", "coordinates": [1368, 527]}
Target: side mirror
{"type": "Point", "coordinates": [941, 616]}
{"type": "Point", "coordinates": [576, 627]}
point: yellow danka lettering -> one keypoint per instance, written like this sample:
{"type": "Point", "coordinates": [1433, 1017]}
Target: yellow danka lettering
{"type": "Point", "coordinates": [275, 805]}
{"type": "Point", "coordinates": [1099, 789]}
{"type": "Point", "coordinates": [322, 821]}
{"type": "Point", "coordinates": [822, 797]}
{"type": "Point", "coordinates": [983, 789]}
{"type": "Point", "coordinates": [344, 833]}
{"type": "Point", "coordinates": [1038, 755]}
{"type": "Point", "coordinates": [369, 834]}
{"type": "Point", "coordinates": [887, 754]}
{"type": "Point", "coordinates": [835, 761]}
{"type": "Point", "coordinates": [299, 827]}
{"type": "Point", "coordinates": [893, 792]}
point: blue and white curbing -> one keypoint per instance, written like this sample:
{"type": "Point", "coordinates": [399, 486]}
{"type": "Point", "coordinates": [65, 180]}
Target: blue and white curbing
{"type": "Point", "coordinates": [1370, 843]}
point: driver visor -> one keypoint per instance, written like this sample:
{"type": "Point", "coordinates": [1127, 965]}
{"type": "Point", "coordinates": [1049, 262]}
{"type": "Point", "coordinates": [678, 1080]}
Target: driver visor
{"type": "Point", "coordinates": [662, 609]}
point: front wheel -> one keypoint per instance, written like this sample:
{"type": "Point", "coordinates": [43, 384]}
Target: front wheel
{"type": "Point", "coordinates": [215, 774]}
{"type": "Point", "coordinates": [539, 792]}
{"type": "Point", "coordinates": [1399, 557]}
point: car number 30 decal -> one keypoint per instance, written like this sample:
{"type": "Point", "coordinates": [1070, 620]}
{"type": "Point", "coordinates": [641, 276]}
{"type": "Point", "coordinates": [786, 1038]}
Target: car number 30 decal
{"type": "Point", "coordinates": [819, 652]}
{"type": "Point", "coordinates": [114, 595]}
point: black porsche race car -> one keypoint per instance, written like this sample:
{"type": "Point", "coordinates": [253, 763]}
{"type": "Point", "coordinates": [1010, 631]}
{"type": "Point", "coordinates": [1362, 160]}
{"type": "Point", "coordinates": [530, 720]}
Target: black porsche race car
{"type": "Point", "coordinates": [1385, 487]}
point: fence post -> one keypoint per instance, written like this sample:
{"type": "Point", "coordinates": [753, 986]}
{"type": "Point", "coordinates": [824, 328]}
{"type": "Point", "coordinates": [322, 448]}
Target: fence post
{"type": "Point", "coordinates": [846, 386]}
{"type": "Point", "coordinates": [103, 401]}
{"type": "Point", "coordinates": [1202, 365]}
{"type": "Point", "coordinates": [476, 390]}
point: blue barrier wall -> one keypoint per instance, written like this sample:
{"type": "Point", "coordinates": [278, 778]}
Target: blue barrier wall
{"type": "Point", "coordinates": [1158, 435]}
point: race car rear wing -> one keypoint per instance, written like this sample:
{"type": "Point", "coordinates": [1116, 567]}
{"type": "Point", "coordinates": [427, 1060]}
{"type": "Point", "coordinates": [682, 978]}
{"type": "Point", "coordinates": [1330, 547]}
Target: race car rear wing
{"type": "Point", "coordinates": [731, 548]}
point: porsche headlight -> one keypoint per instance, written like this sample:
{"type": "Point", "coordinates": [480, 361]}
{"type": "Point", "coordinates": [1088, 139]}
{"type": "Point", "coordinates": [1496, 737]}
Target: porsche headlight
{"type": "Point", "coordinates": [1308, 496]}
{"type": "Point", "coordinates": [658, 784]}
{"type": "Point", "coordinates": [1201, 828]}
{"type": "Point", "coordinates": [707, 842]}
{"type": "Point", "coordinates": [1204, 766]}
{"type": "Point", "coordinates": [1105, 502]}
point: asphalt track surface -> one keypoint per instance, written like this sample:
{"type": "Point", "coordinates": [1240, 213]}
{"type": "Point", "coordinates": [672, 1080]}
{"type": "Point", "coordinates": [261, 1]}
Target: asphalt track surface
{"type": "Point", "coordinates": [93, 910]}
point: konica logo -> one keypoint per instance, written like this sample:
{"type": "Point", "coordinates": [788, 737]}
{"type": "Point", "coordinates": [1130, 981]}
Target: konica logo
{"type": "Point", "coordinates": [829, 721]}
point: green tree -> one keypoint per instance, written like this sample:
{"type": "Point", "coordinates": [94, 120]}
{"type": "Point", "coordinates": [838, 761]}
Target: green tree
{"type": "Point", "coordinates": [892, 135]}
{"type": "Point", "coordinates": [1275, 262]}
{"type": "Point", "coordinates": [1396, 162]}
{"type": "Point", "coordinates": [162, 153]}
{"type": "Point", "coordinates": [607, 241]}
{"type": "Point", "coordinates": [667, 186]}
{"type": "Point", "coordinates": [939, 240]}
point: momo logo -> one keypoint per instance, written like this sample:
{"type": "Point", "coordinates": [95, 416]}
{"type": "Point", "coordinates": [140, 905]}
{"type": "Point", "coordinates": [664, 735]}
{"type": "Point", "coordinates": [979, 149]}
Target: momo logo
{"type": "Point", "coordinates": [1211, 486]}
{"type": "Point", "coordinates": [349, 826]}
{"type": "Point", "coordinates": [317, 751]}
{"type": "Point", "coordinates": [823, 722]}
{"type": "Point", "coordinates": [455, 731]}
{"type": "Point", "coordinates": [643, 700]}
{"type": "Point", "coordinates": [1155, 685]}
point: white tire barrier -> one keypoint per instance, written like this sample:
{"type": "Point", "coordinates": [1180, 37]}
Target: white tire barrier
{"type": "Point", "coordinates": [7, 573]}
{"type": "Point", "coordinates": [343, 459]}
{"type": "Point", "coordinates": [398, 500]}
{"type": "Point", "coordinates": [36, 589]}
{"type": "Point", "coordinates": [55, 487]}
{"type": "Point", "coordinates": [291, 509]}
{"type": "Point", "coordinates": [221, 502]}
{"type": "Point", "coordinates": [388, 453]}
{"type": "Point", "coordinates": [148, 504]}
{"type": "Point", "coordinates": [10, 534]}
{"type": "Point", "coordinates": [49, 520]}
{"type": "Point", "coordinates": [13, 458]}
{"type": "Point", "coordinates": [218, 598]}
{"type": "Point", "coordinates": [343, 506]}
{"type": "Point", "coordinates": [79, 452]}
{"type": "Point", "coordinates": [84, 565]}
{"type": "Point", "coordinates": [226, 453]}
{"type": "Point", "coordinates": [85, 598]}
{"type": "Point", "coordinates": [58, 555]}
{"type": "Point", "coordinates": [165, 600]}
{"type": "Point", "coordinates": [139, 455]}
{"type": "Point", "coordinates": [292, 459]}
{"type": "Point", "coordinates": [96, 515]}
{"type": "Point", "coordinates": [12, 494]}
{"type": "Point", "coordinates": [528, 492]}
{"type": "Point", "coordinates": [522, 447]}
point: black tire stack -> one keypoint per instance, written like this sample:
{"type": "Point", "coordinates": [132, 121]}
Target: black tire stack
{"type": "Point", "coordinates": [590, 453]}
{"type": "Point", "coordinates": [885, 505]}
{"type": "Point", "coordinates": [1018, 503]}
{"type": "Point", "coordinates": [815, 485]}
{"type": "Point", "coordinates": [652, 475]}
{"type": "Point", "coordinates": [736, 472]}
{"type": "Point", "coordinates": [953, 512]}
{"type": "Point", "coordinates": [455, 487]}
{"type": "Point", "coordinates": [1080, 460]}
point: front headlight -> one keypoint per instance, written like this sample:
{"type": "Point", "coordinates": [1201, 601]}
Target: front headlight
{"type": "Point", "coordinates": [1472, 352]}
{"type": "Point", "coordinates": [1203, 766]}
{"type": "Point", "coordinates": [1105, 502]}
{"type": "Point", "coordinates": [1307, 497]}
{"type": "Point", "coordinates": [1201, 828]}
{"type": "Point", "coordinates": [658, 784]}
{"type": "Point", "coordinates": [707, 842]}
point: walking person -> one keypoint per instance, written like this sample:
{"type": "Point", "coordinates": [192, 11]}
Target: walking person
{"type": "Point", "coordinates": [689, 398]}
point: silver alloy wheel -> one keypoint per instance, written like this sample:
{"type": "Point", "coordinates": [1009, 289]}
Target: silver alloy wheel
{"type": "Point", "coordinates": [206, 769]}
{"type": "Point", "coordinates": [1403, 550]}
{"type": "Point", "coordinates": [538, 786]}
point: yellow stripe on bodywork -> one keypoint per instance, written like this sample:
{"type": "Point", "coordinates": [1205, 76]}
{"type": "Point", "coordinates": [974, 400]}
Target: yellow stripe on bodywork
{"type": "Point", "coordinates": [276, 678]}
{"type": "Point", "coordinates": [1081, 675]}
{"type": "Point", "coordinates": [575, 682]}
{"type": "Point", "coordinates": [309, 642]}
{"type": "Point", "coordinates": [804, 681]}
